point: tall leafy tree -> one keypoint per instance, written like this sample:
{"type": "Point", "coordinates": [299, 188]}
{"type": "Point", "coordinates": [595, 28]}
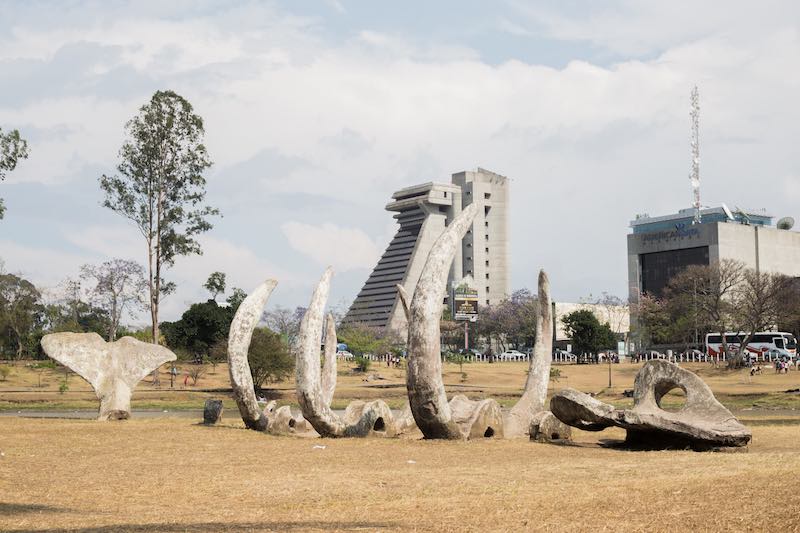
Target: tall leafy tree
{"type": "Point", "coordinates": [215, 284]}
{"type": "Point", "coordinates": [13, 148]}
{"type": "Point", "coordinates": [160, 186]}
{"type": "Point", "coordinates": [117, 286]}
{"type": "Point", "coordinates": [587, 333]}
{"type": "Point", "coordinates": [20, 311]}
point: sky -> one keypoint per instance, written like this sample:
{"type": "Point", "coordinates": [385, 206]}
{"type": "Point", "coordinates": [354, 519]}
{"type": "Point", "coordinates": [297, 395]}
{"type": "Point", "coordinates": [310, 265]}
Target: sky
{"type": "Point", "coordinates": [317, 111]}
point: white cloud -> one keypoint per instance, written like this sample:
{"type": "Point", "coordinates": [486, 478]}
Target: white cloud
{"type": "Point", "coordinates": [377, 111]}
{"type": "Point", "coordinates": [328, 244]}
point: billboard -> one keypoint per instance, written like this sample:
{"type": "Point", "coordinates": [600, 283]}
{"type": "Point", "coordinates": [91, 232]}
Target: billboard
{"type": "Point", "coordinates": [465, 303]}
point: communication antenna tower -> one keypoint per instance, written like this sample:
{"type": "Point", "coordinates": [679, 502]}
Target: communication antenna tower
{"type": "Point", "coordinates": [694, 142]}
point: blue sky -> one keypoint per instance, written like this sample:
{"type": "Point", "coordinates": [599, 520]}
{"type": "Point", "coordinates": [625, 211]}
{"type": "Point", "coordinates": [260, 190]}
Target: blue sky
{"type": "Point", "coordinates": [316, 112]}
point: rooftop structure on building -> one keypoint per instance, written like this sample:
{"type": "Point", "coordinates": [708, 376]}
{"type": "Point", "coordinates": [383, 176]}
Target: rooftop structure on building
{"type": "Point", "coordinates": [422, 213]}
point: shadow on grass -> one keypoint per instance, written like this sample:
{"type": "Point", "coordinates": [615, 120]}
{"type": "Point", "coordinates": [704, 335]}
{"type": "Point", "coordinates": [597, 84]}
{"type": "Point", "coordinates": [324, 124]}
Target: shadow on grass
{"type": "Point", "coordinates": [20, 508]}
{"type": "Point", "coordinates": [221, 526]}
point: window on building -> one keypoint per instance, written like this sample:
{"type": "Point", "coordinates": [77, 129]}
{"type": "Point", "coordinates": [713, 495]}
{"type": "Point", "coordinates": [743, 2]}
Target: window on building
{"type": "Point", "coordinates": [487, 275]}
{"type": "Point", "coordinates": [487, 195]}
{"type": "Point", "coordinates": [487, 250]}
{"type": "Point", "coordinates": [445, 194]}
{"type": "Point", "coordinates": [487, 289]}
{"type": "Point", "coordinates": [487, 262]}
{"type": "Point", "coordinates": [658, 268]}
{"type": "Point", "coordinates": [487, 236]}
{"type": "Point", "coordinates": [486, 224]}
{"type": "Point", "coordinates": [487, 302]}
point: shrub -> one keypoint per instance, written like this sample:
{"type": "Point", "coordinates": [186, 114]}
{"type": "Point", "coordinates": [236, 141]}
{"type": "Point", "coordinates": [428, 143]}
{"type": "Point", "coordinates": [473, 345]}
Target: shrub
{"type": "Point", "coordinates": [196, 372]}
{"type": "Point", "coordinates": [269, 357]}
{"type": "Point", "coordinates": [363, 363]}
{"type": "Point", "coordinates": [4, 372]}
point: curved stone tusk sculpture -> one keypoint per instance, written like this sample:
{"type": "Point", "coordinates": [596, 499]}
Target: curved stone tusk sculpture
{"type": "Point", "coordinates": [239, 337]}
{"type": "Point", "coordinates": [426, 393]}
{"type": "Point", "coordinates": [403, 295]}
{"type": "Point", "coordinates": [329, 361]}
{"type": "Point", "coordinates": [361, 419]}
{"type": "Point", "coordinates": [112, 368]}
{"type": "Point", "coordinates": [518, 421]}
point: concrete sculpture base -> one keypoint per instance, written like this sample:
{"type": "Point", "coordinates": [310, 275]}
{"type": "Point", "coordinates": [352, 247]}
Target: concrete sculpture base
{"type": "Point", "coordinates": [112, 368]}
{"type": "Point", "coordinates": [477, 418]}
{"type": "Point", "coordinates": [545, 427]}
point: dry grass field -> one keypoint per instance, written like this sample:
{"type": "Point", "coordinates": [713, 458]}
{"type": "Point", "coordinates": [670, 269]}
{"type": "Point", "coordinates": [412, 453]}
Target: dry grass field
{"type": "Point", "coordinates": [173, 475]}
{"type": "Point", "coordinates": [502, 381]}
{"type": "Point", "coordinates": [170, 474]}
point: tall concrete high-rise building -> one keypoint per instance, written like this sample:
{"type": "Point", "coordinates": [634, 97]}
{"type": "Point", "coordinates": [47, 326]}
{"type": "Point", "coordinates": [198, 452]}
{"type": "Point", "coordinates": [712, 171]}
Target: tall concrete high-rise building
{"type": "Point", "coordinates": [423, 212]}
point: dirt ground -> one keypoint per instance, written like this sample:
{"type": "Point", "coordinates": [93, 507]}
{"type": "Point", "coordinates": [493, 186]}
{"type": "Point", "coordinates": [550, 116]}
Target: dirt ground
{"type": "Point", "coordinates": [173, 475]}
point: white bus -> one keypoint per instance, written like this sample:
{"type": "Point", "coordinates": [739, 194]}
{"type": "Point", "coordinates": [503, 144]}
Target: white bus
{"type": "Point", "coordinates": [765, 345]}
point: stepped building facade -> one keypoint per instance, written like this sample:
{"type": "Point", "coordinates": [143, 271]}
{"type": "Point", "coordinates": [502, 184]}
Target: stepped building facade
{"type": "Point", "coordinates": [422, 213]}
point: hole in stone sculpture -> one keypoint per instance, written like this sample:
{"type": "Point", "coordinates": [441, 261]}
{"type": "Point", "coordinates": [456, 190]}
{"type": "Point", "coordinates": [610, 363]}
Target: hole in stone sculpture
{"type": "Point", "coordinates": [379, 425]}
{"type": "Point", "coordinates": [554, 436]}
{"type": "Point", "coordinates": [671, 399]}
{"type": "Point", "coordinates": [292, 422]}
{"type": "Point", "coordinates": [489, 432]}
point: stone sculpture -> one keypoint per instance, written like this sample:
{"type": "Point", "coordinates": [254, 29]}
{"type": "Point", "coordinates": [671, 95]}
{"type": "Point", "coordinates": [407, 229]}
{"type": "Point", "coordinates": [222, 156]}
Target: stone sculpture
{"type": "Point", "coordinates": [437, 418]}
{"type": "Point", "coordinates": [112, 368]}
{"type": "Point", "coordinates": [212, 412]}
{"type": "Point", "coordinates": [239, 336]}
{"type": "Point", "coordinates": [247, 316]}
{"type": "Point", "coordinates": [314, 391]}
{"type": "Point", "coordinates": [518, 421]}
{"type": "Point", "coordinates": [701, 424]}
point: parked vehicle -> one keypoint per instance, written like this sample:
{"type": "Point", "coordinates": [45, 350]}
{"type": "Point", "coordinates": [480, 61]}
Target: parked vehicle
{"type": "Point", "coordinates": [764, 344]}
{"type": "Point", "coordinates": [512, 355]}
{"type": "Point", "coordinates": [345, 355]}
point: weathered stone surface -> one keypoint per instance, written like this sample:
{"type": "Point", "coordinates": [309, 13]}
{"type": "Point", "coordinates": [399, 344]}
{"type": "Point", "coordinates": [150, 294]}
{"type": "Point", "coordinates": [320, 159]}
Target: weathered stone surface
{"type": "Point", "coordinates": [518, 420]}
{"type": "Point", "coordinates": [241, 332]}
{"type": "Point", "coordinates": [282, 421]}
{"type": "Point", "coordinates": [328, 380]}
{"type": "Point", "coordinates": [373, 419]}
{"type": "Point", "coordinates": [404, 422]}
{"type": "Point", "coordinates": [702, 422]}
{"type": "Point", "coordinates": [580, 410]}
{"type": "Point", "coordinates": [212, 412]}
{"type": "Point", "coordinates": [112, 368]}
{"type": "Point", "coordinates": [545, 427]}
{"type": "Point", "coordinates": [477, 418]}
{"type": "Point", "coordinates": [426, 393]}
{"type": "Point", "coordinates": [314, 396]}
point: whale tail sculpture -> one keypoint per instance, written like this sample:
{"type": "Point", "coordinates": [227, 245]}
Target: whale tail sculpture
{"type": "Point", "coordinates": [112, 368]}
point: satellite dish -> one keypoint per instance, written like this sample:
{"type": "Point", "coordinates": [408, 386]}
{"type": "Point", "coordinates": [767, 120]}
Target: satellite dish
{"type": "Point", "coordinates": [728, 213]}
{"type": "Point", "coordinates": [786, 223]}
